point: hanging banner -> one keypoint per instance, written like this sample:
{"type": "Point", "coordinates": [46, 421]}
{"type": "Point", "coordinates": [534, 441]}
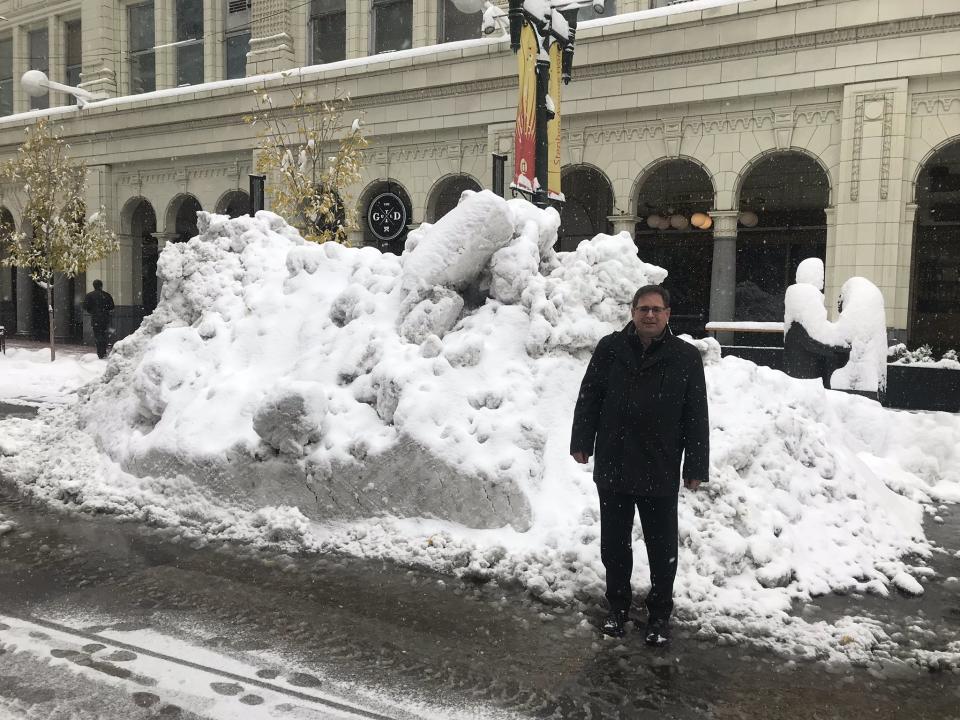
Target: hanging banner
{"type": "Point", "coordinates": [525, 132]}
{"type": "Point", "coordinates": [553, 126]}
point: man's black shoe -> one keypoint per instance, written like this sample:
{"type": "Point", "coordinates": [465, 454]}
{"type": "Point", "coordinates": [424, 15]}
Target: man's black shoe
{"type": "Point", "coordinates": [614, 623]}
{"type": "Point", "coordinates": [658, 632]}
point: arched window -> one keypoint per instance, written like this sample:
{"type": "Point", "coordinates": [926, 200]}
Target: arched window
{"type": "Point", "coordinates": [782, 222]}
{"type": "Point", "coordinates": [935, 274]}
{"type": "Point", "coordinates": [670, 195]}
{"type": "Point", "coordinates": [589, 202]}
{"type": "Point", "coordinates": [446, 195]}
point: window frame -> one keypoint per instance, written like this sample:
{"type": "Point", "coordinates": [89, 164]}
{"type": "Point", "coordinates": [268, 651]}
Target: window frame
{"type": "Point", "coordinates": [245, 29]}
{"type": "Point", "coordinates": [43, 101]}
{"type": "Point", "coordinates": [8, 80]}
{"type": "Point", "coordinates": [311, 34]}
{"type": "Point", "coordinates": [374, 6]}
{"type": "Point", "coordinates": [183, 44]}
{"type": "Point", "coordinates": [442, 6]}
{"type": "Point", "coordinates": [136, 54]}
{"type": "Point", "coordinates": [67, 66]}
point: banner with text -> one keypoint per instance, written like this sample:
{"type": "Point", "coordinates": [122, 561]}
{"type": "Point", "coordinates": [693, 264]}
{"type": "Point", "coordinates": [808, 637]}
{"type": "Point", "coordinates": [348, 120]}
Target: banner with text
{"type": "Point", "coordinates": [553, 126]}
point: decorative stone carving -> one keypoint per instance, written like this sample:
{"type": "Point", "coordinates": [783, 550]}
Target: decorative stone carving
{"type": "Point", "coordinates": [872, 107]}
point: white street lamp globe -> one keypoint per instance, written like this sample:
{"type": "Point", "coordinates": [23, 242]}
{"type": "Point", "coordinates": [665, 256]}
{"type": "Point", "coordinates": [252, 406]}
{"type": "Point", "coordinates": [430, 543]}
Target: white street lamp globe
{"type": "Point", "coordinates": [468, 6]}
{"type": "Point", "coordinates": [679, 222]}
{"type": "Point", "coordinates": [34, 83]}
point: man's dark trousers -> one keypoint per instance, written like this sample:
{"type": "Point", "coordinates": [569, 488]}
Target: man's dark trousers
{"type": "Point", "coordinates": [658, 519]}
{"type": "Point", "coordinates": [100, 334]}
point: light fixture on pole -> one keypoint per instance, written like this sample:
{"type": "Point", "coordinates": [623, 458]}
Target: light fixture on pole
{"type": "Point", "coordinates": [36, 83]}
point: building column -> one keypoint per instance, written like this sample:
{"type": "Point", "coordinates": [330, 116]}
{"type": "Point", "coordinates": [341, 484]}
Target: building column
{"type": "Point", "coordinates": [62, 301]}
{"type": "Point", "coordinates": [271, 43]}
{"type": "Point", "coordinates": [903, 307]}
{"type": "Point", "coordinates": [24, 302]}
{"type": "Point", "coordinates": [214, 63]}
{"type": "Point", "coordinates": [165, 58]}
{"type": "Point", "coordinates": [358, 23]}
{"type": "Point", "coordinates": [869, 196]}
{"type": "Point", "coordinates": [56, 60]}
{"type": "Point", "coordinates": [830, 292]}
{"type": "Point", "coordinates": [101, 61]}
{"type": "Point", "coordinates": [624, 223]}
{"type": "Point", "coordinates": [421, 23]}
{"type": "Point", "coordinates": [723, 276]}
{"type": "Point", "coordinates": [21, 51]}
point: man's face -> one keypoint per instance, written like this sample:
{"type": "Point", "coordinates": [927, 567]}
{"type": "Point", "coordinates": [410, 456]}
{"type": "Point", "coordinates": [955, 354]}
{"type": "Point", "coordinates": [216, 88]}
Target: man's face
{"type": "Point", "coordinates": [650, 316]}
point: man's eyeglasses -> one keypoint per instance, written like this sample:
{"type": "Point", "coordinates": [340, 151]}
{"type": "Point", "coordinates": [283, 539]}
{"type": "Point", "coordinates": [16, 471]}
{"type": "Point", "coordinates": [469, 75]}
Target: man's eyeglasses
{"type": "Point", "coordinates": [649, 310]}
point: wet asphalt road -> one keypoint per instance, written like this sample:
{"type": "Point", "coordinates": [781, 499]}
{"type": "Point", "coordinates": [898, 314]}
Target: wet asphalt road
{"type": "Point", "coordinates": [416, 634]}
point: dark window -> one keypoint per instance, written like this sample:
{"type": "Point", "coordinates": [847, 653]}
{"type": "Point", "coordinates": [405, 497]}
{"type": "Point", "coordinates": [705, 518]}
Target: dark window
{"type": "Point", "coordinates": [73, 52]}
{"type": "Point", "coordinates": [237, 48]}
{"type": "Point", "coordinates": [609, 10]}
{"type": "Point", "coordinates": [328, 30]}
{"type": "Point", "coordinates": [189, 15]}
{"type": "Point", "coordinates": [392, 25]}
{"type": "Point", "coordinates": [38, 43]}
{"type": "Point", "coordinates": [143, 69]}
{"type": "Point", "coordinates": [455, 25]}
{"type": "Point", "coordinates": [237, 43]}
{"type": "Point", "coordinates": [6, 77]}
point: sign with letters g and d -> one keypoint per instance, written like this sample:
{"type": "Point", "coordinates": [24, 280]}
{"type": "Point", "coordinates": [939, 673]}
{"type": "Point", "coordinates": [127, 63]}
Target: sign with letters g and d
{"type": "Point", "coordinates": [387, 216]}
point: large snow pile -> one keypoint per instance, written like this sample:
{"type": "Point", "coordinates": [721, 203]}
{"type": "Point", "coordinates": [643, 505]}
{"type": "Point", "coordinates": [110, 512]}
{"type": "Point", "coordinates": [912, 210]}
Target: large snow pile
{"type": "Point", "coordinates": [419, 408]}
{"type": "Point", "coordinates": [347, 382]}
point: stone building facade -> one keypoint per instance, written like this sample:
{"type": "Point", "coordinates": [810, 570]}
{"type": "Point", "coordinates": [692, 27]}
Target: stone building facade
{"type": "Point", "coordinates": [801, 127]}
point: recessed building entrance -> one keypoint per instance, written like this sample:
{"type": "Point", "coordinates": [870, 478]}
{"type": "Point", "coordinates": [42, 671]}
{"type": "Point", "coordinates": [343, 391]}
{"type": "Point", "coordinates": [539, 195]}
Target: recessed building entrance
{"type": "Point", "coordinates": [935, 276]}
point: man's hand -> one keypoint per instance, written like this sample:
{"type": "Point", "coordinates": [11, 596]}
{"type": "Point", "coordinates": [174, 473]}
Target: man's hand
{"type": "Point", "coordinates": [581, 457]}
{"type": "Point", "coordinates": [691, 484]}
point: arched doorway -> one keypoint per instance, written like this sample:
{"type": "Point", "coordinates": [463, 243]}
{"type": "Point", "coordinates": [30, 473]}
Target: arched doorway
{"type": "Point", "coordinates": [182, 217]}
{"type": "Point", "coordinates": [445, 195]}
{"type": "Point", "coordinates": [935, 271]}
{"type": "Point", "coordinates": [589, 202]}
{"type": "Point", "coordinates": [234, 204]}
{"type": "Point", "coordinates": [669, 196]}
{"type": "Point", "coordinates": [782, 221]}
{"type": "Point", "coordinates": [143, 227]}
{"type": "Point", "coordinates": [8, 280]}
{"type": "Point", "coordinates": [385, 213]}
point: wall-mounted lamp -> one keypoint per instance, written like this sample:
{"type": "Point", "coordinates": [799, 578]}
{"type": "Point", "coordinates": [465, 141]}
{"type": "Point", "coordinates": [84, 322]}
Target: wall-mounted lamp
{"type": "Point", "coordinates": [36, 83]}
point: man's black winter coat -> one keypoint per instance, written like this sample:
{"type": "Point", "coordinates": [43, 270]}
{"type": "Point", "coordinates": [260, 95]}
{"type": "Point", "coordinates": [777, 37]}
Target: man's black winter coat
{"type": "Point", "coordinates": [639, 411]}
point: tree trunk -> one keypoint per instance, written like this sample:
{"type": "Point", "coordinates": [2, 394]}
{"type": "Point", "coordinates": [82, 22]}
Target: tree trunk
{"type": "Point", "coordinates": [53, 344]}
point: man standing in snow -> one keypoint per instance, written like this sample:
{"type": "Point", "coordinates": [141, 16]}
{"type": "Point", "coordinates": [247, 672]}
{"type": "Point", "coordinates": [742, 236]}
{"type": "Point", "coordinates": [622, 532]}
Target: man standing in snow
{"type": "Point", "coordinates": [642, 405]}
{"type": "Point", "coordinates": [99, 304]}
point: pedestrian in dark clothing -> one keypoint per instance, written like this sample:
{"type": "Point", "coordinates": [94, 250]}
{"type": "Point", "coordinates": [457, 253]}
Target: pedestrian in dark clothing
{"type": "Point", "coordinates": [642, 405]}
{"type": "Point", "coordinates": [99, 304]}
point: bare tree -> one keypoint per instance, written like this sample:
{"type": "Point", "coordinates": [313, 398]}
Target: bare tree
{"type": "Point", "coordinates": [314, 155]}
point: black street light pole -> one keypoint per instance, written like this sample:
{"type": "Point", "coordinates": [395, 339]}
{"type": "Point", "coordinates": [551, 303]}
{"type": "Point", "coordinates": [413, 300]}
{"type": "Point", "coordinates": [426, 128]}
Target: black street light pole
{"type": "Point", "coordinates": [546, 35]}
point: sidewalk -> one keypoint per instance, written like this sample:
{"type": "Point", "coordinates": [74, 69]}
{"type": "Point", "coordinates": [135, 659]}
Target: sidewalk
{"type": "Point", "coordinates": [25, 343]}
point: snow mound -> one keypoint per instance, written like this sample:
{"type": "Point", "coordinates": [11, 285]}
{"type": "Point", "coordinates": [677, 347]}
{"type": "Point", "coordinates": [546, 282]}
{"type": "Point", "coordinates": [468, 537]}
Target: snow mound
{"type": "Point", "coordinates": [350, 383]}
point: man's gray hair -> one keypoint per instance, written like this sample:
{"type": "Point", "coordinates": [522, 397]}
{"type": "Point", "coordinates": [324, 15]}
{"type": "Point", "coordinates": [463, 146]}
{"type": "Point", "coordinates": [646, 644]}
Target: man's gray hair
{"type": "Point", "coordinates": [647, 290]}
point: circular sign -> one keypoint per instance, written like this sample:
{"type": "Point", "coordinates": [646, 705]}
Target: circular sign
{"type": "Point", "coordinates": [387, 216]}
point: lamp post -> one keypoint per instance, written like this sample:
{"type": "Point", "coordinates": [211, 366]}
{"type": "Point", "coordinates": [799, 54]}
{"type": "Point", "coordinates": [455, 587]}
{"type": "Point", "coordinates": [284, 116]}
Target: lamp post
{"type": "Point", "coordinates": [35, 83]}
{"type": "Point", "coordinates": [542, 34]}
{"type": "Point", "coordinates": [547, 32]}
